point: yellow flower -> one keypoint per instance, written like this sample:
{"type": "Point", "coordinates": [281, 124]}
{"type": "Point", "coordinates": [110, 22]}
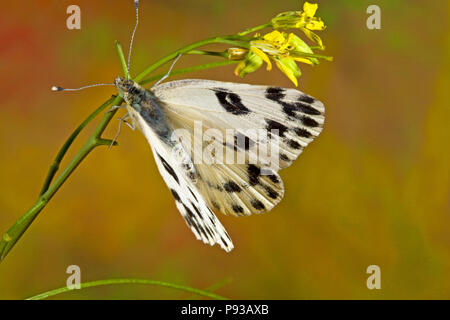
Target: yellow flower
{"type": "Point", "coordinates": [285, 50]}
{"type": "Point", "coordinates": [308, 20]}
{"type": "Point", "coordinates": [304, 20]}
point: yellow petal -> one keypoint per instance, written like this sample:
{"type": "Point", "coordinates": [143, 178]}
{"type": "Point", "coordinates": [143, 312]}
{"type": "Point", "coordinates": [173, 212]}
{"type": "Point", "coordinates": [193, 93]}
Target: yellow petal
{"type": "Point", "coordinates": [310, 9]}
{"type": "Point", "coordinates": [304, 60]}
{"type": "Point", "coordinates": [315, 24]}
{"type": "Point", "coordinates": [288, 69]}
{"type": "Point", "coordinates": [274, 36]}
{"type": "Point", "coordinates": [263, 56]}
{"type": "Point", "coordinates": [314, 37]}
{"type": "Point", "coordinates": [239, 68]}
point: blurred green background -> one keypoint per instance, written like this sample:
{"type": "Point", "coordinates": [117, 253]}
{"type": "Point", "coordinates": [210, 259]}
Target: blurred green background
{"type": "Point", "coordinates": [372, 189]}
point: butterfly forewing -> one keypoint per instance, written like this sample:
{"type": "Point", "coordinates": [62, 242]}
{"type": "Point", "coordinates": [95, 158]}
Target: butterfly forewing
{"type": "Point", "coordinates": [192, 206]}
{"type": "Point", "coordinates": [290, 119]}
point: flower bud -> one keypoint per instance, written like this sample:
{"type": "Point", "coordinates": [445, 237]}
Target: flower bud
{"type": "Point", "coordinates": [237, 53]}
{"type": "Point", "coordinates": [286, 20]}
{"type": "Point", "coordinates": [251, 63]}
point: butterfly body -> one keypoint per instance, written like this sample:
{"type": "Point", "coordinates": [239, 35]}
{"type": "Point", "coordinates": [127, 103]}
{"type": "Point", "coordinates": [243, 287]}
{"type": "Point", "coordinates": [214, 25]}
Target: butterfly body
{"type": "Point", "coordinates": [250, 183]}
{"type": "Point", "coordinates": [144, 103]}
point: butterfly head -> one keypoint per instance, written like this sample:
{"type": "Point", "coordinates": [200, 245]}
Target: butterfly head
{"type": "Point", "coordinates": [125, 86]}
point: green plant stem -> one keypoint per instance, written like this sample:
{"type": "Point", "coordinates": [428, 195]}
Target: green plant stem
{"type": "Point", "coordinates": [253, 29]}
{"type": "Point", "coordinates": [191, 69]}
{"type": "Point", "coordinates": [313, 55]}
{"type": "Point", "coordinates": [11, 237]}
{"type": "Point", "coordinates": [222, 54]}
{"type": "Point", "coordinates": [213, 287]}
{"type": "Point", "coordinates": [122, 58]}
{"type": "Point", "coordinates": [56, 163]}
{"type": "Point", "coordinates": [233, 40]}
{"type": "Point", "coordinates": [128, 281]}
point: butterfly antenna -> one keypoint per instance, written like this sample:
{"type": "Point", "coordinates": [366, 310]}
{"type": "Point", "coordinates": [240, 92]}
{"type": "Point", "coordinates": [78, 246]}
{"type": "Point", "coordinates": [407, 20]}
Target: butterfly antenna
{"type": "Point", "coordinates": [170, 70]}
{"type": "Point", "coordinates": [57, 88]}
{"type": "Point", "coordinates": [136, 5]}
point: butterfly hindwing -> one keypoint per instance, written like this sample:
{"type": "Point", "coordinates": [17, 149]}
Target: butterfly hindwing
{"type": "Point", "coordinates": [192, 206]}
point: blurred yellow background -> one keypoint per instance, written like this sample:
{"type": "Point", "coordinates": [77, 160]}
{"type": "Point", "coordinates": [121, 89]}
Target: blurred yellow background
{"type": "Point", "coordinates": [372, 189]}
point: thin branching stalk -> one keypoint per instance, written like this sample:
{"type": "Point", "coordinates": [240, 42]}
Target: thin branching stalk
{"type": "Point", "coordinates": [191, 69]}
{"type": "Point", "coordinates": [97, 283]}
{"type": "Point", "coordinates": [62, 152]}
{"type": "Point", "coordinates": [233, 40]}
{"type": "Point", "coordinates": [253, 29]}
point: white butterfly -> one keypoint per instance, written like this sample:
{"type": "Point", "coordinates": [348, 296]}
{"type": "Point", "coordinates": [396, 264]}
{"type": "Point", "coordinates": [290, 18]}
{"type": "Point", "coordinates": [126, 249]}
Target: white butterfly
{"type": "Point", "coordinates": [231, 188]}
{"type": "Point", "coordinates": [249, 183]}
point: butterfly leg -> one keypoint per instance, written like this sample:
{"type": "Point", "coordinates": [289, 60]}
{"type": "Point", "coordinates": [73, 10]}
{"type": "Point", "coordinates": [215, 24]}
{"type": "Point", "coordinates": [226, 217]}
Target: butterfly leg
{"type": "Point", "coordinates": [168, 73]}
{"type": "Point", "coordinates": [115, 108]}
{"type": "Point", "coordinates": [132, 126]}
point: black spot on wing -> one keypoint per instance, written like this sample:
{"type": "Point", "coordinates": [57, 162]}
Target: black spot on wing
{"type": "Point", "coordinates": [271, 193]}
{"type": "Point", "coordinates": [196, 209]}
{"type": "Point", "coordinates": [275, 93]}
{"type": "Point", "coordinates": [188, 211]}
{"type": "Point", "coordinates": [226, 235]}
{"type": "Point", "coordinates": [193, 224]}
{"type": "Point", "coordinates": [193, 194]}
{"type": "Point", "coordinates": [302, 133]}
{"type": "Point", "coordinates": [169, 169]}
{"type": "Point", "coordinates": [225, 244]}
{"type": "Point", "coordinates": [193, 220]}
{"type": "Point", "coordinates": [237, 208]}
{"type": "Point", "coordinates": [306, 98]}
{"type": "Point", "coordinates": [231, 186]}
{"type": "Point", "coordinates": [294, 144]}
{"type": "Point", "coordinates": [309, 122]}
{"type": "Point", "coordinates": [209, 232]}
{"type": "Point", "coordinates": [273, 178]}
{"type": "Point", "coordinates": [290, 109]}
{"type": "Point", "coordinates": [188, 221]}
{"type": "Point", "coordinates": [274, 125]}
{"type": "Point", "coordinates": [307, 109]}
{"type": "Point", "coordinates": [231, 102]}
{"type": "Point", "coordinates": [175, 195]}
{"type": "Point", "coordinates": [284, 157]}
{"type": "Point", "coordinates": [258, 205]}
{"type": "Point", "coordinates": [254, 172]}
